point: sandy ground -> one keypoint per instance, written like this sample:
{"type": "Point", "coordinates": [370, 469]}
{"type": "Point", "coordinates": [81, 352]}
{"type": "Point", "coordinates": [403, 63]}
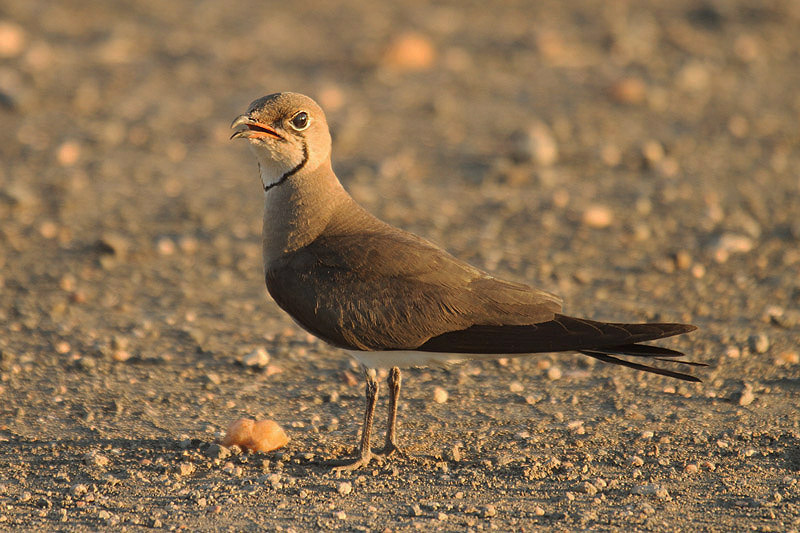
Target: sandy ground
{"type": "Point", "coordinates": [641, 159]}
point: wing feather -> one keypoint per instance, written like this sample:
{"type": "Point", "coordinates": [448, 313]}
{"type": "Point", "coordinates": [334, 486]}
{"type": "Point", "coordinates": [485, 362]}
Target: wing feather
{"type": "Point", "coordinates": [393, 290]}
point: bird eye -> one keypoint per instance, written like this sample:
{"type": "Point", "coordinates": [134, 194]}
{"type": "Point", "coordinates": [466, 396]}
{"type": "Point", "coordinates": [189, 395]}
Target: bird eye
{"type": "Point", "coordinates": [300, 121]}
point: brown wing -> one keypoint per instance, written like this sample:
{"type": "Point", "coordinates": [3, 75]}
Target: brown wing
{"type": "Point", "coordinates": [560, 334]}
{"type": "Point", "coordinates": [390, 290]}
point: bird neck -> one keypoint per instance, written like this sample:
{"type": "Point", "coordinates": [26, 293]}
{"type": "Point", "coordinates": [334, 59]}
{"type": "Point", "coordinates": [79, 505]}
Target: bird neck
{"type": "Point", "coordinates": [297, 211]}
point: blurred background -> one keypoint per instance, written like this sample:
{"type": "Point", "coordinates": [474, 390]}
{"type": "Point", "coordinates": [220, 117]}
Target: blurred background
{"type": "Point", "coordinates": [640, 158]}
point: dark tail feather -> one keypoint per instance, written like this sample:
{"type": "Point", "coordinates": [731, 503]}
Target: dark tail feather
{"type": "Point", "coordinates": [638, 350]}
{"type": "Point", "coordinates": [645, 350]}
{"type": "Point", "coordinates": [690, 363]}
{"type": "Point", "coordinates": [608, 358]}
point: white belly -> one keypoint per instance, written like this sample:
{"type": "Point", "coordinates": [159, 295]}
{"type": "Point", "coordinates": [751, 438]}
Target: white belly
{"type": "Point", "coordinates": [402, 358]}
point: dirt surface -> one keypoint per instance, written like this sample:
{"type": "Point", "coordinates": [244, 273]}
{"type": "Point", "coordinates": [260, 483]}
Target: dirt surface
{"type": "Point", "coordinates": [641, 159]}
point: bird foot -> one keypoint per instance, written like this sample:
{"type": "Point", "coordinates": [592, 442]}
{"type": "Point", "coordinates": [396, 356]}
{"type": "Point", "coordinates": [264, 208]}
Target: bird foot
{"type": "Point", "coordinates": [390, 449]}
{"type": "Point", "coordinates": [354, 464]}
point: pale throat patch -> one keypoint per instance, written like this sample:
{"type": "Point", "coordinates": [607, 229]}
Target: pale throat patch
{"type": "Point", "coordinates": [272, 166]}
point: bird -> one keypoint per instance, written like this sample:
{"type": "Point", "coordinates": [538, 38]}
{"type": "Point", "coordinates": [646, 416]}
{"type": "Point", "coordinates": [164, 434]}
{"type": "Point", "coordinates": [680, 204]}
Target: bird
{"type": "Point", "coordinates": [393, 299]}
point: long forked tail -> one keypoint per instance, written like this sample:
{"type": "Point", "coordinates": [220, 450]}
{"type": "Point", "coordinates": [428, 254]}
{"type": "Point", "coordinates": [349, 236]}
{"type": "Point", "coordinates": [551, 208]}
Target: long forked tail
{"type": "Point", "coordinates": [601, 340]}
{"type": "Point", "coordinates": [608, 355]}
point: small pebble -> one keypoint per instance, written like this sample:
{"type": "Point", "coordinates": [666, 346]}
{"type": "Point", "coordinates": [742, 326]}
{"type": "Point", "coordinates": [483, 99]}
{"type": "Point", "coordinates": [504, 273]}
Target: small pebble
{"type": "Point", "coordinates": [759, 343]}
{"type": "Point", "coordinates": [489, 511]}
{"type": "Point", "coordinates": [730, 243]}
{"type": "Point", "coordinates": [68, 153]}
{"type": "Point", "coordinates": [636, 461]}
{"type": "Point", "coordinates": [120, 356]}
{"type": "Point", "coordinates": [95, 459]}
{"type": "Point", "coordinates": [538, 511]}
{"type": "Point", "coordinates": [216, 451]}
{"type": "Point", "coordinates": [587, 488]}
{"type": "Point", "coordinates": [554, 373]}
{"type": "Point", "coordinates": [629, 91]}
{"type": "Point", "coordinates": [536, 144]}
{"type": "Point", "coordinates": [185, 469]}
{"type": "Point", "coordinates": [683, 260]}
{"type": "Point", "coordinates": [257, 436]}
{"type": "Point", "coordinates": [114, 244]}
{"type": "Point", "coordinates": [746, 397]}
{"type": "Point", "coordinates": [787, 358]}
{"type": "Point", "coordinates": [456, 453]}
{"type": "Point", "coordinates": [257, 358]}
{"type": "Point", "coordinates": [271, 370]}
{"type": "Point", "coordinates": [651, 489]}
{"type": "Point", "coordinates": [48, 229]}
{"type": "Point", "coordinates": [440, 395]}
{"type": "Point", "coordinates": [598, 216]}
{"type": "Point", "coordinates": [62, 347]}
{"type": "Point", "coordinates": [332, 397]}
{"type": "Point", "coordinates": [340, 515]}
{"type": "Point", "coordinates": [12, 39]}
{"type": "Point", "coordinates": [691, 468]}
{"type": "Point", "coordinates": [345, 488]}
{"type": "Point", "coordinates": [165, 246]}
{"type": "Point", "coordinates": [653, 152]}
{"type": "Point", "coordinates": [516, 386]}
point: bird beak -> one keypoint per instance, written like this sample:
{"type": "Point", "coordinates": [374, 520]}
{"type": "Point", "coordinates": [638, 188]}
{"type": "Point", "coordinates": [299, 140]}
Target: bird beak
{"type": "Point", "coordinates": [248, 128]}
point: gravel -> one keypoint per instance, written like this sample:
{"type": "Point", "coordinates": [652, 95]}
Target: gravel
{"type": "Point", "coordinates": [639, 159]}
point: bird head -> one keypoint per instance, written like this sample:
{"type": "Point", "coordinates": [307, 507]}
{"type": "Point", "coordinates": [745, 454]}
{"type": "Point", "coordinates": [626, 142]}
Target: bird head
{"type": "Point", "coordinates": [288, 134]}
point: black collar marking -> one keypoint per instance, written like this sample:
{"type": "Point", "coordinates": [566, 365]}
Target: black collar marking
{"type": "Point", "coordinates": [293, 171]}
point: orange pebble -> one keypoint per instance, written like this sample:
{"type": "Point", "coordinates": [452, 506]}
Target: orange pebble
{"type": "Point", "coordinates": [239, 433]}
{"type": "Point", "coordinates": [261, 436]}
{"type": "Point", "coordinates": [267, 436]}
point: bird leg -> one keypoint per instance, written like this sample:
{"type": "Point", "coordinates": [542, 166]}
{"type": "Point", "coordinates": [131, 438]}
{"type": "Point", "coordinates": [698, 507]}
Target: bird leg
{"type": "Point", "coordinates": [365, 453]}
{"type": "Point", "coordinates": [390, 446]}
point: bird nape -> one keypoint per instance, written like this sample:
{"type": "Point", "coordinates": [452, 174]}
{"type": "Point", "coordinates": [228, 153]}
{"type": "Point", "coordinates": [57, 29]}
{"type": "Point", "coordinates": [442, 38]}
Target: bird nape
{"type": "Point", "coordinates": [391, 298]}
